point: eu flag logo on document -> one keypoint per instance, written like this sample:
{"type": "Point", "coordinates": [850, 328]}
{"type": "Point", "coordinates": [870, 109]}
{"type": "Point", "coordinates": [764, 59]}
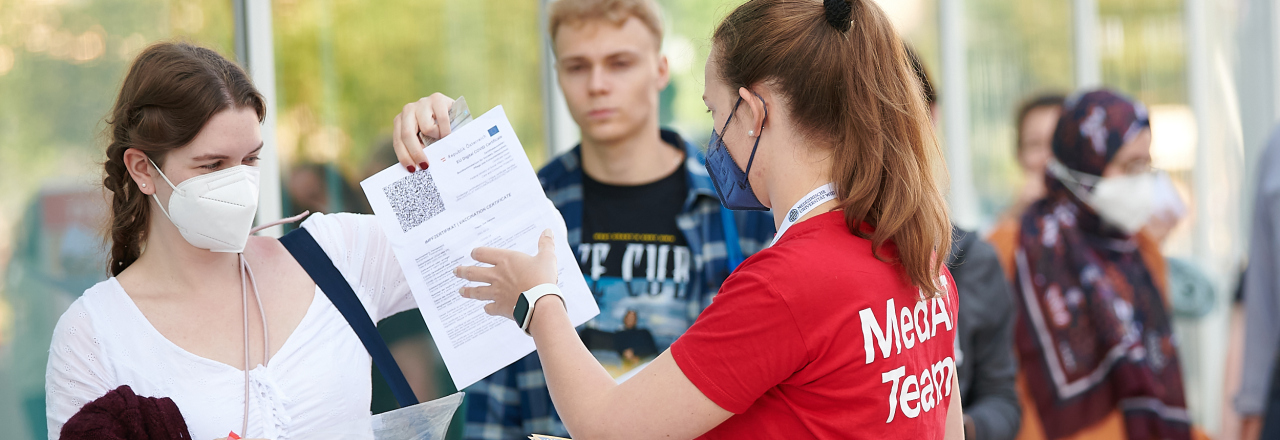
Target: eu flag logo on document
{"type": "Point", "coordinates": [493, 131]}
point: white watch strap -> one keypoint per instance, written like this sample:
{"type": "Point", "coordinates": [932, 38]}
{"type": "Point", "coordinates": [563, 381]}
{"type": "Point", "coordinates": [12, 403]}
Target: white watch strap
{"type": "Point", "coordinates": [533, 295]}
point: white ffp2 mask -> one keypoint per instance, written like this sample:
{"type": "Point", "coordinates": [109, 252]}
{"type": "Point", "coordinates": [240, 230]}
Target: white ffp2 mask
{"type": "Point", "coordinates": [214, 211]}
{"type": "Point", "coordinates": [1126, 202]}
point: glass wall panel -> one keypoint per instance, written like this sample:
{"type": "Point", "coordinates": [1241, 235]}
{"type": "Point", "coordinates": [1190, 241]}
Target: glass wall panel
{"type": "Point", "coordinates": [690, 23]}
{"type": "Point", "coordinates": [345, 68]}
{"type": "Point", "coordinates": [61, 63]}
{"type": "Point", "coordinates": [1016, 50]}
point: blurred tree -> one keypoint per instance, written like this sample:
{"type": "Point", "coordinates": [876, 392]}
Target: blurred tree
{"type": "Point", "coordinates": [1143, 49]}
{"type": "Point", "coordinates": [346, 67]}
{"type": "Point", "coordinates": [1016, 49]}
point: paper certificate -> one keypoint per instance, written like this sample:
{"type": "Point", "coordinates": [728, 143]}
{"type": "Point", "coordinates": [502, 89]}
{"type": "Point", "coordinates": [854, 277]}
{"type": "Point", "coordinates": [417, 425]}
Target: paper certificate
{"type": "Point", "coordinates": [479, 190]}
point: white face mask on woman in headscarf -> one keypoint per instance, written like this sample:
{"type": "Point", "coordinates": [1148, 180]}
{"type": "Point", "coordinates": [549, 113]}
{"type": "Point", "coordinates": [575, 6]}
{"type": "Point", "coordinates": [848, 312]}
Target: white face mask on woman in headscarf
{"type": "Point", "coordinates": [214, 211]}
{"type": "Point", "coordinates": [1126, 202]}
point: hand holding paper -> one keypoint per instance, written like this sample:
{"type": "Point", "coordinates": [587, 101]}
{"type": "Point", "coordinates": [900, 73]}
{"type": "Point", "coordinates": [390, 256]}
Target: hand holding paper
{"type": "Point", "coordinates": [480, 191]}
{"type": "Point", "coordinates": [421, 123]}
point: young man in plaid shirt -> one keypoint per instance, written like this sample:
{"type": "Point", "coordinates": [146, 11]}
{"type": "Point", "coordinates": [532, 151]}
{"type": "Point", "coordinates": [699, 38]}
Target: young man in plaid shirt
{"type": "Point", "coordinates": [643, 217]}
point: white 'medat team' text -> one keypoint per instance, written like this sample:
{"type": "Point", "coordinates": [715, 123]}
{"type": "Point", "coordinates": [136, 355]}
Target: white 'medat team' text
{"type": "Point", "coordinates": [906, 328]}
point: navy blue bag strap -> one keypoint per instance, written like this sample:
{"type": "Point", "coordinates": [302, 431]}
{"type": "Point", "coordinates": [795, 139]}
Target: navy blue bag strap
{"type": "Point", "coordinates": [304, 248]}
{"type": "Point", "coordinates": [732, 248]}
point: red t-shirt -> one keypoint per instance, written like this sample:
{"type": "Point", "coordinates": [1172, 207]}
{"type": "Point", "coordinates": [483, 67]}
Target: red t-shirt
{"type": "Point", "coordinates": [815, 337]}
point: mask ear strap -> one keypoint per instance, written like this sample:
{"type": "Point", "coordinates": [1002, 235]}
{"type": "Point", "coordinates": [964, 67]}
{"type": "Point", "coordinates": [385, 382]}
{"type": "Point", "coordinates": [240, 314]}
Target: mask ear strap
{"type": "Point", "coordinates": [1071, 179]}
{"type": "Point", "coordinates": [730, 118]}
{"type": "Point", "coordinates": [157, 198]}
{"type": "Point", "coordinates": [766, 109]}
{"type": "Point", "coordinates": [752, 159]}
{"type": "Point", "coordinates": [166, 178]}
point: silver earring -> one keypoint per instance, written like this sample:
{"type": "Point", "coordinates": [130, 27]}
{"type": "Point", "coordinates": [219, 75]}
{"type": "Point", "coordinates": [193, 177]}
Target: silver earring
{"type": "Point", "coordinates": [751, 132]}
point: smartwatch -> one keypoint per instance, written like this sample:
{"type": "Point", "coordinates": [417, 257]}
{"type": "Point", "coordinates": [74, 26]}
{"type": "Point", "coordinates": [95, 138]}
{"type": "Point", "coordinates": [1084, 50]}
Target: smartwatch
{"type": "Point", "coordinates": [523, 312]}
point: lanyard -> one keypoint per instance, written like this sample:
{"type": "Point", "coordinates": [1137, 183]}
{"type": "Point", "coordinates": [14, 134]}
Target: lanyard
{"type": "Point", "coordinates": [818, 196]}
{"type": "Point", "coordinates": [246, 280]}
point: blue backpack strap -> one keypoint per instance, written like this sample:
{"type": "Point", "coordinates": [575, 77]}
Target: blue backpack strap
{"type": "Point", "coordinates": [304, 248]}
{"type": "Point", "coordinates": [732, 248]}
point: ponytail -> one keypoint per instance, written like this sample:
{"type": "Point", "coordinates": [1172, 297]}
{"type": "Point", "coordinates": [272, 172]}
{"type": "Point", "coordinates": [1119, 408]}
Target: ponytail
{"type": "Point", "coordinates": [848, 84]}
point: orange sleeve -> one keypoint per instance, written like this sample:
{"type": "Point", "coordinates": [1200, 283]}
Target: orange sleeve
{"type": "Point", "coordinates": [1109, 428]}
{"type": "Point", "coordinates": [1004, 238]}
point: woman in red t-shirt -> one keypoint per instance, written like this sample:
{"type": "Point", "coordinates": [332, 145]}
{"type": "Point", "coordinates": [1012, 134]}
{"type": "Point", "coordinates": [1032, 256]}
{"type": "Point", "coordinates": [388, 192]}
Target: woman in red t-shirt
{"type": "Point", "coordinates": [845, 326]}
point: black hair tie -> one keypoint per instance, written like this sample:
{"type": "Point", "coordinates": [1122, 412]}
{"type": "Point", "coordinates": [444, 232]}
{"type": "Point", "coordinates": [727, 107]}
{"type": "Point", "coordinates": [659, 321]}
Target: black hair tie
{"type": "Point", "coordinates": [839, 14]}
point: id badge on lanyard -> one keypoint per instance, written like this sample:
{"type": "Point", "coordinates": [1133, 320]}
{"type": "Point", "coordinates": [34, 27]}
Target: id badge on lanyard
{"type": "Point", "coordinates": [807, 203]}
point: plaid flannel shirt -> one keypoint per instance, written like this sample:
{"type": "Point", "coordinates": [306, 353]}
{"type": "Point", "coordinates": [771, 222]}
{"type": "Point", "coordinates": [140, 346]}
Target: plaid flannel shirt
{"type": "Point", "coordinates": [514, 402]}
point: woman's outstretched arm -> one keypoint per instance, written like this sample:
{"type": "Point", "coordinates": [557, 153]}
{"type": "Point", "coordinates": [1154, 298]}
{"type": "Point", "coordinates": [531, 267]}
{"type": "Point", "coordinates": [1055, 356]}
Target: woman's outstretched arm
{"type": "Point", "coordinates": [660, 401]}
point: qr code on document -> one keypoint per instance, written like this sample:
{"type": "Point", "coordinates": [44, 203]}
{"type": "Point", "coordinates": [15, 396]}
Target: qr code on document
{"type": "Point", "coordinates": [414, 199]}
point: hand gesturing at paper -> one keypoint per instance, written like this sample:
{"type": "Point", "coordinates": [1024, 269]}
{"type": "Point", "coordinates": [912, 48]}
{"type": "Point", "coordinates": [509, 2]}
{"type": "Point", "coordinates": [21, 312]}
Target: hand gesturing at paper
{"type": "Point", "coordinates": [512, 272]}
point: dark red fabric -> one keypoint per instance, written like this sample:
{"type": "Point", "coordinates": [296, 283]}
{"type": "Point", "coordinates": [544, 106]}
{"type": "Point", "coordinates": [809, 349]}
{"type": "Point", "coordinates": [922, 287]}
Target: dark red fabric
{"type": "Point", "coordinates": [122, 415]}
{"type": "Point", "coordinates": [1093, 333]}
{"type": "Point", "coordinates": [789, 343]}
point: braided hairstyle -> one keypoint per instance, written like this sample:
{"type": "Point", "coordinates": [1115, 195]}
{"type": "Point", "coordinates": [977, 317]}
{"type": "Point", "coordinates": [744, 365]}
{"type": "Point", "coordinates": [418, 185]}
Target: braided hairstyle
{"type": "Point", "coordinates": [170, 92]}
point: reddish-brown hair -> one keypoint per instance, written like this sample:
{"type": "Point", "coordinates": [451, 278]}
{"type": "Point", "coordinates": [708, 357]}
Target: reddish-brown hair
{"type": "Point", "coordinates": [169, 94]}
{"type": "Point", "coordinates": [846, 81]}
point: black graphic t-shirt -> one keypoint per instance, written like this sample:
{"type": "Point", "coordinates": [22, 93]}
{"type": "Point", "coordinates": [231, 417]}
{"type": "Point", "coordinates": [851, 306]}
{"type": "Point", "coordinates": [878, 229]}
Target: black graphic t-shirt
{"type": "Point", "coordinates": [638, 266]}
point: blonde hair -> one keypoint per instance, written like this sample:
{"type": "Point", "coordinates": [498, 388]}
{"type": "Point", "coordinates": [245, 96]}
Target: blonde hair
{"type": "Point", "coordinates": [849, 84]}
{"type": "Point", "coordinates": [578, 12]}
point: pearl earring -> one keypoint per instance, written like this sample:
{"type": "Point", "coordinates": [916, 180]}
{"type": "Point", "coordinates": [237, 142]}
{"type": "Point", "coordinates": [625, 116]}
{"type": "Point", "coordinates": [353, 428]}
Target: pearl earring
{"type": "Point", "coordinates": [751, 132]}
{"type": "Point", "coordinates": [144, 185]}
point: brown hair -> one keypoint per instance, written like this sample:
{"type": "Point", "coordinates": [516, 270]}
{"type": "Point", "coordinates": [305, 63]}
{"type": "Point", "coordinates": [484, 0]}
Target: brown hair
{"type": "Point", "coordinates": [577, 12]}
{"type": "Point", "coordinates": [169, 94]}
{"type": "Point", "coordinates": [1033, 103]}
{"type": "Point", "coordinates": [847, 82]}
{"type": "Point", "coordinates": [922, 74]}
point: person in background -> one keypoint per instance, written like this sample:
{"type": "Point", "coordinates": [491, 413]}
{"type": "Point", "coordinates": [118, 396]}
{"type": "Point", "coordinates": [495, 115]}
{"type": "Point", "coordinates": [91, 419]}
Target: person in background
{"type": "Point", "coordinates": [984, 342]}
{"type": "Point", "coordinates": [1037, 118]}
{"type": "Point", "coordinates": [642, 213]}
{"type": "Point", "coordinates": [1258, 399]}
{"type": "Point", "coordinates": [1095, 339]}
{"type": "Point", "coordinates": [321, 187]}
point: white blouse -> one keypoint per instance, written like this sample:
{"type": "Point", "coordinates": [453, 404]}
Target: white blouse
{"type": "Point", "coordinates": [316, 386]}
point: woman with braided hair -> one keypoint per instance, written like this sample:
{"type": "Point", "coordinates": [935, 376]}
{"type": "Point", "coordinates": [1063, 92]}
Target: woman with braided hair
{"type": "Point", "coordinates": [175, 320]}
{"type": "Point", "coordinates": [845, 326]}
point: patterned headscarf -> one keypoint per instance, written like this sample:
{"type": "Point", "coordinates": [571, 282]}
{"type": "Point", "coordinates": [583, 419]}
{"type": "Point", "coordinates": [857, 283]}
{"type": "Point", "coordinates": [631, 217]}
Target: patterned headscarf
{"type": "Point", "coordinates": [1093, 127]}
{"type": "Point", "coordinates": [1094, 335]}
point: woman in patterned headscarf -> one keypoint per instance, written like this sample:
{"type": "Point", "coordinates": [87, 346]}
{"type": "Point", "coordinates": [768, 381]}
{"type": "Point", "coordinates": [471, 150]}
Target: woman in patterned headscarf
{"type": "Point", "coordinates": [1094, 335]}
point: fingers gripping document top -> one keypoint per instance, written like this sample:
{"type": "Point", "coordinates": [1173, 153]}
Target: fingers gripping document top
{"type": "Point", "coordinates": [479, 190]}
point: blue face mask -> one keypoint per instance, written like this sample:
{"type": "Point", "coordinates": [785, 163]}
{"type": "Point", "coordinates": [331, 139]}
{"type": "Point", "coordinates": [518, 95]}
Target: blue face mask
{"type": "Point", "coordinates": [730, 181]}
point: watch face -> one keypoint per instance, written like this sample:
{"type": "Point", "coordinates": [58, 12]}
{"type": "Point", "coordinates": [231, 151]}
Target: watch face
{"type": "Point", "coordinates": [522, 310]}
